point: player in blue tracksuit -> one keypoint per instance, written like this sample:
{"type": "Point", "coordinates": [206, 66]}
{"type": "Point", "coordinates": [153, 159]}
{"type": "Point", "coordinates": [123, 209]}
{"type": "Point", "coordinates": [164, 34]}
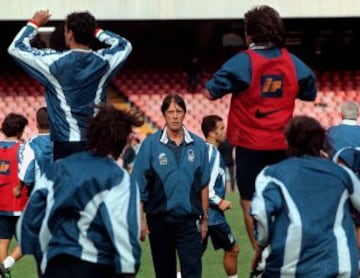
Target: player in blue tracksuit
{"type": "Point", "coordinates": [37, 155]}
{"type": "Point", "coordinates": [74, 80]}
{"type": "Point", "coordinates": [172, 172]}
{"type": "Point", "coordinates": [346, 134]}
{"type": "Point", "coordinates": [219, 230]}
{"type": "Point", "coordinates": [82, 219]}
{"type": "Point", "coordinates": [301, 209]}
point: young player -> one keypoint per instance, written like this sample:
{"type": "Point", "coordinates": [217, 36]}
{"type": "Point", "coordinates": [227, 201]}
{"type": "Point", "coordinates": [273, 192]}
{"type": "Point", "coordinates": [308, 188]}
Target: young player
{"type": "Point", "coordinates": [37, 155]}
{"type": "Point", "coordinates": [213, 129]}
{"type": "Point", "coordinates": [301, 209]}
{"type": "Point", "coordinates": [82, 219]}
{"type": "Point", "coordinates": [75, 80]}
{"type": "Point", "coordinates": [264, 82]}
{"type": "Point", "coordinates": [10, 207]}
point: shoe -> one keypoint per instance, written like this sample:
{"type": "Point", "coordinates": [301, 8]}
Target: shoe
{"type": "Point", "coordinates": [4, 272]}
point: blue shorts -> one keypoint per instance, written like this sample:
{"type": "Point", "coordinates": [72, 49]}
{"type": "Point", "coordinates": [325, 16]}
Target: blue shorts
{"type": "Point", "coordinates": [8, 226]}
{"type": "Point", "coordinates": [221, 237]}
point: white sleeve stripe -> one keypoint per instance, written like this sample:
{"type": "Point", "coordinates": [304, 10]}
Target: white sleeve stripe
{"type": "Point", "coordinates": [119, 210]}
{"type": "Point", "coordinates": [45, 235]}
{"type": "Point", "coordinates": [40, 62]}
{"type": "Point", "coordinates": [89, 251]}
{"type": "Point", "coordinates": [28, 157]}
{"type": "Point", "coordinates": [213, 175]}
{"type": "Point", "coordinates": [258, 209]}
{"type": "Point", "coordinates": [355, 196]}
{"type": "Point", "coordinates": [344, 260]}
{"type": "Point", "coordinates": [294, 232]}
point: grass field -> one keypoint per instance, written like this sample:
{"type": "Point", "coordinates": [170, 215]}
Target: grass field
{"type": "Point", "coordinates": [212, 261]}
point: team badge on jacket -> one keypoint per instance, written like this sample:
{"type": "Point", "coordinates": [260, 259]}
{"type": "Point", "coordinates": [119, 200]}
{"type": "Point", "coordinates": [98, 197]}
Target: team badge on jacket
{"type": "Point", "coordinates": [191, 155]}
{"type": "Point", "coordinates": [163, 159]}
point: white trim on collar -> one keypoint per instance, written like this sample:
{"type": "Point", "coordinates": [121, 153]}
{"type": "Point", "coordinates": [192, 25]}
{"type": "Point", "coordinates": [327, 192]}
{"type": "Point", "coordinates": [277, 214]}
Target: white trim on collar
{"type": "Point", "coordinates": [187, 137]}
{"type": "Point", "coordinates": [254, 46]}
{"type": "Point", "coordinates": [348, 122]}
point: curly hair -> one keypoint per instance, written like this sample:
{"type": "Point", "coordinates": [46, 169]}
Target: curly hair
{"type": "Point", "coordinates": [14, 125]}
{"type": "Point", "coordinates": [305, 136]}
{"type": "Point", "coordinates": [107, 133]}
{"type": "Point", "coordinates": [264, 25]}
{"type": "Point", "coordinates": [83, 25]}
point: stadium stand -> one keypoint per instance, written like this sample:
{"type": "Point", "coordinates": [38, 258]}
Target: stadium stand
{"type": "Point", "coordinates": [21, 94]}
{"type": "Point", "coordinates": [145, 90]}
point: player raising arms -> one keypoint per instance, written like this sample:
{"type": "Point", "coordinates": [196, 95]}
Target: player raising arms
{"type": "Point", "coordinates": [264, 81]}
{"type": "Point", "coordinates": [75, 80]}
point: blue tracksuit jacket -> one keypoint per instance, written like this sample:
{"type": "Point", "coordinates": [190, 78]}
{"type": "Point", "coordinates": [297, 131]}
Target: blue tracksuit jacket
{"type": "Point", "coordinates": [74, 80]}
{"type": "Point", "coordinates": [301, 209]}
{"type": "Point", "coordinates": [171, 181]}
{"type": "Point", "coordinates": [86, 207]}
{"type": "Point", "coordinates": [37, 156]}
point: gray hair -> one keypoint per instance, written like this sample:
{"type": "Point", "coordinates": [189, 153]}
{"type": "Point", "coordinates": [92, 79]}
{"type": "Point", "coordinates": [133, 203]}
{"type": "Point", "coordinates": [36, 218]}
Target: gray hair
{"type": "Point", "coordinates": [350, 110]}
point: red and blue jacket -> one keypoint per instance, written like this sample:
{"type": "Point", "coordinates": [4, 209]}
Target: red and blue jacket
{"type": "Point", "coordinates": [9, 160]}
{"type": "Point", "coordinates": [264, 84]}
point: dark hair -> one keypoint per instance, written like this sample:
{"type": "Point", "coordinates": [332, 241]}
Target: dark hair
{"type": "Point", "coordinates": [209, 124]}
{"type": "Point", "coordinates": [42, 118]}
{"type": "Point", "coordinates": [305, 136]}
{"type": "Point", "coordinates": [83, 25]}
{"type": "Point", "coordinates": [178, 100]}
{"type": "Point", "coordinates": [264, 25]}
{"type": "Point", "coordinates": [13, 124]}
{"type": "Point", "coordinates": [107, 133]}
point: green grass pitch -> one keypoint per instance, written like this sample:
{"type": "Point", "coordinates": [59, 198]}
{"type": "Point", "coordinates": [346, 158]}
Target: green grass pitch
{"type": "Point", "coordinates": [212, 261]}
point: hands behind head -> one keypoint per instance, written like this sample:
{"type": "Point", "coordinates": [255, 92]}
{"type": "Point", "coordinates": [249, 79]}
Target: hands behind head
{"type": "Point", "coordinates": [41, 17]}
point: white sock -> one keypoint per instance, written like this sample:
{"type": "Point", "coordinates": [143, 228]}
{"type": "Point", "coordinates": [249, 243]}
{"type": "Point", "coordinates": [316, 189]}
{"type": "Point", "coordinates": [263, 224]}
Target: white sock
{"type": "Point", "coordinates": [8, 262]}
{"type": "Point", "coordinates": [233, 276]}
{"type": "Point", "coordinates": [178, 274]}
